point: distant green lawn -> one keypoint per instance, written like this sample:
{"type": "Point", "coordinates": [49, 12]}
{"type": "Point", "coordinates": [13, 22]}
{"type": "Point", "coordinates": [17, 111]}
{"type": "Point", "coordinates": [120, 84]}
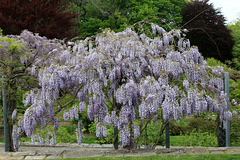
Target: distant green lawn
{"type": "Point", "coordinates": [168, 157]}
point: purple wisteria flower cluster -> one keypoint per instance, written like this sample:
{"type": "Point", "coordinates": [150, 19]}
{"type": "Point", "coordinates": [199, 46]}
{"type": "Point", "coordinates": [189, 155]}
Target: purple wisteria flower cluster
{"type": "Point", "coordinates": [140, 76]}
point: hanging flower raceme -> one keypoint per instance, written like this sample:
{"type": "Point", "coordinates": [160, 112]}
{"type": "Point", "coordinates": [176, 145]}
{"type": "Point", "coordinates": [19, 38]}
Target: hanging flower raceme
{"type": "Point", "coordinates": [79, 132]}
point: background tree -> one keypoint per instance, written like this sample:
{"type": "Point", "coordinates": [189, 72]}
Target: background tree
{"type": "Point", "coordinates": [235, 28]}
{"type": "Point", "coordinates": [48, 18]}
{"type": "Point", "coordinates": [118, 14]}
{"type": "Point", "coordinates": [207, 30]}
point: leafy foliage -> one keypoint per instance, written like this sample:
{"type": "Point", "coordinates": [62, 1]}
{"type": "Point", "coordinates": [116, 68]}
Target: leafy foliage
{"type": "Point", "coordinates": [176, 130]}
{"type": "Point", "coordinates": [207, 30]}
{"type": "Point", "coordinates": [48, 18]}
{"type": "Point", "coordinates": [119, 14]}
{"type": "Point", "coordinates": [203, 125]}
{"type": "Point", "coordinates": [235, 28]}
{"type": "Point", "coordinates": [198, 138]}
{"type": "Point", "coordinates": [235, 131]}
{"type": "Point", "coordinates": [233, 73]}
{"type": "Point", "coordinates": [62, 135]}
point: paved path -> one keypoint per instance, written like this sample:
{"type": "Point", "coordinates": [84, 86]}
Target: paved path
{"type": "Point", "coordinates": [28, 151]}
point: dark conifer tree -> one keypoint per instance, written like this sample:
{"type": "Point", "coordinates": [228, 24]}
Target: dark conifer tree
{"type": "Point", "coordinates": [207, 30]}
{"type": "Point", "coordinates": [49, 18]}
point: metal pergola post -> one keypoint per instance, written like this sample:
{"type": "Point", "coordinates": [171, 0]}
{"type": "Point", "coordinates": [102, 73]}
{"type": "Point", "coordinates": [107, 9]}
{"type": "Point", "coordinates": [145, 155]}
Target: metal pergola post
{"type": "Point", "coordinates": [226, 90]}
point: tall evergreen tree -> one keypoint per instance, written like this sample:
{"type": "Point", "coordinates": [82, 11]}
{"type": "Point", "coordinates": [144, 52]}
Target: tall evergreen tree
{"type": "Point", "coordinates": [207, 30]}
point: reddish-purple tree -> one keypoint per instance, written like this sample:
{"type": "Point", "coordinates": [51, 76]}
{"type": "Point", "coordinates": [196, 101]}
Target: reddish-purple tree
{"type": "Point", "coordinates": [207, 30]}
{"type": "Point", "coordinates": [48, 18]}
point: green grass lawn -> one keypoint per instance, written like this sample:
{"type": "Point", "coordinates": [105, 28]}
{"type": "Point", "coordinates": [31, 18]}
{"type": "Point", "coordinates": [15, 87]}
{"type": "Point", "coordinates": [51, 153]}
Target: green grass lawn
{"type": "Point", "coordinates": [169, 157]}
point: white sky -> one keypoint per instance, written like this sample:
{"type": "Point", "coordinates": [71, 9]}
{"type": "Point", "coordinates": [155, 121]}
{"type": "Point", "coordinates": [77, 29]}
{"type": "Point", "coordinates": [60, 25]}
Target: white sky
{"type": "Point", "coordinates": [230, 8]}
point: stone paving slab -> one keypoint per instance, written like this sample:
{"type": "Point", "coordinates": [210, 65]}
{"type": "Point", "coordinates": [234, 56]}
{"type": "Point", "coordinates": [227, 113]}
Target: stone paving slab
{"type": "Point", "coordinates": [31, 153]}
{"type": "Point", "coordinates": [89, 153]}
{"type": "Point", "coordinates": [107, 145]}
{"type": "Point", "coordinates": [53, 157]}
{"type": "Point", "coordinates": [28, 151]}
{"type": "Point", "coordinates": [11, 158]}
{"type": "Point", "coordinates": [35, 157]}
{"type": "Point", "coordinates": [49, 152]}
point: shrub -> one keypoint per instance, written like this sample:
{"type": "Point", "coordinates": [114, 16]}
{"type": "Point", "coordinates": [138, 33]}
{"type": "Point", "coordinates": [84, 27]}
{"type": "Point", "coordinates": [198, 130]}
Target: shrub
{"type": "Point", "coordinates": [63, 134]}
{"type": "Point", "coordinates": [205, 115]}
{"type": "Point", "coordinates": [176, 130]}
{"type": "Point", "coordinates": [235, 129]}
{"type": "Point", "coordinates": [203, 125]}
{"type": "Point", "coordinates": [198, 138]}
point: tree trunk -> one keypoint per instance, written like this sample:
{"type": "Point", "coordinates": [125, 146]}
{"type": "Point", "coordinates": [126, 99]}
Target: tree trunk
{"type": "Point", "coordinates": [11, 105]}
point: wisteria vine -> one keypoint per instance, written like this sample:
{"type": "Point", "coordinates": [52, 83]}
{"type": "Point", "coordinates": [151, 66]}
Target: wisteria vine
{"type": "Point", "coordinates": [146, 75]}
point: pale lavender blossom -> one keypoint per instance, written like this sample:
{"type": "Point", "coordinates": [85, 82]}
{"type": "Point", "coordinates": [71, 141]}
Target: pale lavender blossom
{"type": "Point", "coordinates": [155, 118]}
{"type": "Point", "coordinates": [56, 123]}
{"type": "Point", "coordinates": [53, 140]}
{"type": "Point", "coordinates": [79, 132]}
{"type": "Point", "coordinates": [33, 139]}
{"type": "Point", "coordinates": [101, 131]}
{"type": "Point", "coordinates": [234, 102]}
{"type": "Point", "coordinates": [14, 113]}
{"type": "Point", "coordinates": [227, 115]}
{"type": "Point", "coordinates": [82, 107]}
{"type": "Point", "coordinates": [136, 131]}
{"type": "Point", "coordinates": [125, 136]}
{"type": "Point", "coordinates": [234, 113]}
{"type": "Point", "coordinates": [15, 136]}
{"type": "Point", "coordinates": [66, 116]}
{"type": "Point", "coordinates": [47, 138]}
